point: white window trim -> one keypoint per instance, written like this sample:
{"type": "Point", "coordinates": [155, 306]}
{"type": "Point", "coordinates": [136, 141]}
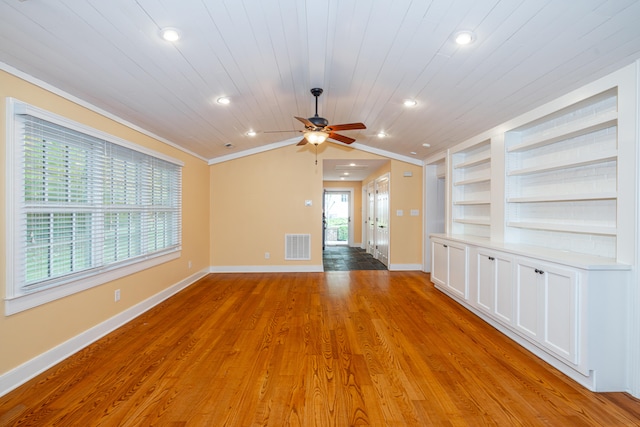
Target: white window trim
{"type": "Point", "coordinates": [16, 302]}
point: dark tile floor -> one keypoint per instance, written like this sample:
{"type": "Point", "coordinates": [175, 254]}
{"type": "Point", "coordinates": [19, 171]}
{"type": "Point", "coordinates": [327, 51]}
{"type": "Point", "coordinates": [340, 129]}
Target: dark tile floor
{"type": "Point", "coordinates": [345, 258]}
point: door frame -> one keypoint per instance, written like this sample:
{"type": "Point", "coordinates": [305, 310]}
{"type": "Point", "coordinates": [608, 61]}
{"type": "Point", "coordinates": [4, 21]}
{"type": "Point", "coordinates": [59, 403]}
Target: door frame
{"type": "Point", "coordinates": [341, 190]}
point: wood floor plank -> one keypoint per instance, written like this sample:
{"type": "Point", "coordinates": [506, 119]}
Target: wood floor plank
{"type": "Point", "coordinates": [300, 349]}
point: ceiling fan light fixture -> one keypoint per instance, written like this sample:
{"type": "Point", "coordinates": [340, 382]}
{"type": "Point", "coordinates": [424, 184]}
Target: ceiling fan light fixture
{"type": "Point", "coordinates": [316, 137]}
{"type": "Point", "coordinates": [170, 34]}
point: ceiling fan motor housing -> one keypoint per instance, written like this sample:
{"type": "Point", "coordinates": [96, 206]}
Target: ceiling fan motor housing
{"type": "Point", "coordinates": [319, 122]}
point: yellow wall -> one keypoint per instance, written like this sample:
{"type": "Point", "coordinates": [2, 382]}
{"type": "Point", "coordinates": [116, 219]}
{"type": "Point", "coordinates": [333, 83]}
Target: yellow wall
{"type": "Point", "coordinates": [405, 245]}
{"type": "Point", "coordinates": [256, 200]}
{"type": "Point", "coordinates": [27, 334]}
{"type": "Point", "coordinates": [233, 212]}
{"type": "Point", "coordinates": [356, 221]}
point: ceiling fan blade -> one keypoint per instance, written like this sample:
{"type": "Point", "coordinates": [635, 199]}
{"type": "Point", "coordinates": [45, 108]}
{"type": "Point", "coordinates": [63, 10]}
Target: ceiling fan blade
{"type": "Point", "coordinates": [306, 122]}
{"type": "Point", "coordinates": [347, 126]}
{"type": "Point", "coordinates": [341, 138]}
{"type": "Point", "coordinates": [303, 141]}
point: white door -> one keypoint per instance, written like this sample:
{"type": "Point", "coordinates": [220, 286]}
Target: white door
{"type": "Point", "coordinates": [371, 224]}
{"type": "Point", "coordinates": [382, 219]}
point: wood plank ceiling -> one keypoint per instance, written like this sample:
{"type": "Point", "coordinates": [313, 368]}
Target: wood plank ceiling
{"type": "Point", "coordinates": [368, 56]}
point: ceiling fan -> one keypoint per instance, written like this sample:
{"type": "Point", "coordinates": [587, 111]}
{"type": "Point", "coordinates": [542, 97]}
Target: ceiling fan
{"type": "Point", "coordinates": [317, 129]}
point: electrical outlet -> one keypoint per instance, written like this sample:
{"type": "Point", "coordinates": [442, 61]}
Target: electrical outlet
{"type": "Point", "coordinates": [267, 255]}
{"type": "Point", "coordinates": [116, 295]}
{"type": "Point", "coordinates": [189, 264]}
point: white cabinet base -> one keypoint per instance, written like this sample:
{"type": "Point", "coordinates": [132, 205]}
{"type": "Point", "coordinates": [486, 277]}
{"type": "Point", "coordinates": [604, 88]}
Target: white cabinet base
{"type": "Point", "coordinates": [571, 314]}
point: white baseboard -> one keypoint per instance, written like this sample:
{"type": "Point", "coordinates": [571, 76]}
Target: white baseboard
{"type": "Point", "coordinates": [405, 267]}
{"type": "Point", "coordinates": [23, 373]}
{"type": "Point", "coordinates": [266, 269]}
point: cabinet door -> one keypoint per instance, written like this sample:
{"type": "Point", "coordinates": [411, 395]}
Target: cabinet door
{"type": "Point", "coordinates": [458, 270]}
{"type": "Point", "coordinates": [528, 299]}
{"type": "Point", "coordinates": [439, 263]}
{"type": "Point", "coordinates": [547, 306]}
{"type": "Point", "coordinates": [560, 311]}
{"type": "Point", "coordinates": [495, 285]}
{"type": "Point", "coordinates": [503, 292]}
{"type": "Point", "coordinates": [485, 282]}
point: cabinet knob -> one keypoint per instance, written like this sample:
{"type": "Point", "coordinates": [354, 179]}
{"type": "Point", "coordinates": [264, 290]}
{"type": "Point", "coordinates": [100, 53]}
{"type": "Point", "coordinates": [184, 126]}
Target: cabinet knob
{"type": "Point", "coordinates": [539, 271]}
{"type": "Point", "coordinates": [445, 246]}
{"type": "Point", "coordinates": [491, 258]}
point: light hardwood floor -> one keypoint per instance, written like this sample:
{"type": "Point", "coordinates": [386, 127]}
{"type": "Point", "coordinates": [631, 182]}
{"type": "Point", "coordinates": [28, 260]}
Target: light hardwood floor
{"type": "Point", "coordinates": [311, 349]}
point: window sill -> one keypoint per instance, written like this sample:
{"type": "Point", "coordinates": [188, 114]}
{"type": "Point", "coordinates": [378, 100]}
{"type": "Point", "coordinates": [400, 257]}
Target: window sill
{"type": "Point", "coordinates": [25, 302]}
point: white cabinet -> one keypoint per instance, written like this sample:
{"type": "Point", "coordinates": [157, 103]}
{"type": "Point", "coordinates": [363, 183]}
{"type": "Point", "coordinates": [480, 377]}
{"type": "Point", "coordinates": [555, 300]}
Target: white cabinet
{"type": "Point", "coordinates": [494, 284]}
{"type": "Point", "coordinates": [547, 306]}
{"type": "Point", "coordinates": [570, 311]}
{"type": "Point", "coordinates": [449, 267]}
{"type": "Point", "coordinates": [546, 206]}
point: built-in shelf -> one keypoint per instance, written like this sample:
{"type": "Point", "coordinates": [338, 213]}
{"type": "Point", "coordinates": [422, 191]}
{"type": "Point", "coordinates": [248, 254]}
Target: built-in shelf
{"type": "Point", "coordinates": [472, 181]}
{"type": "Point", "coordinates": [564, 227]}
{"type": "Point", "coordinates": [572, 130]}
{"type": "Point", "coordinates": [563, 198]}
{"type": "Point", "coordinates": [472, 202]}
{"type": "Point", "coordinates": [485, 158]}
{"type": "Point", "coordinates": [475, 221]}
{"type": "Point", "coordinates": [562, 177]}
{"type": "Point", "coordinates": [592, 159]}
{"type": "Point", "coordinates": [471, 189]}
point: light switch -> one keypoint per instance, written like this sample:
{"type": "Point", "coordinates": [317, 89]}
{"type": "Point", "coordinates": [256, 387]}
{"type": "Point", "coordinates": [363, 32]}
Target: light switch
{"type": "Point", "coordinates": [399, 212]}
{"type": "Point", "coordinates": [415, 212]}
{"type": "Point", "coordinates": [307, 203]}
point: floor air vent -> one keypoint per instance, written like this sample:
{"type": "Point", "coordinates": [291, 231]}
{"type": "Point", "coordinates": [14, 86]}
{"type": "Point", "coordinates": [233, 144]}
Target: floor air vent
{"type": "Point", "coordinates": [297, 246]}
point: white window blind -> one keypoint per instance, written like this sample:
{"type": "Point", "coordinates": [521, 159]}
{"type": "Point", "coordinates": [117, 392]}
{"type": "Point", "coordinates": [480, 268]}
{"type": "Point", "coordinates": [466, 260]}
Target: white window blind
{"type": "Point", "coordinates": [87, 205]}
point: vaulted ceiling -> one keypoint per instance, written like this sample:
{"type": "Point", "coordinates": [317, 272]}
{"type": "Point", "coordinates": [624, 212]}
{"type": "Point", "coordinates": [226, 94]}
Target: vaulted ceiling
{"type": "Point", "coordinates": [368, 56]}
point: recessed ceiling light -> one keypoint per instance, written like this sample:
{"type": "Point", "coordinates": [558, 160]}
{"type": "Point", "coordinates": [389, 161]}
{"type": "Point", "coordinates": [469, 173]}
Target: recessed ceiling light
{"type": "Point", "coordinates": [342, 178]}
{"type": "Point", "coordinates": [425, 145]}
{"type": "Point", "coordinates": [170, 34]}
{"type": "Point", "coordinates": [410, 102]}
{"type": "Point", "coordinates": [464, 37]}
{"type": "Point", "coordinates": [251, 133]}
{"type": "Point", "coordinates": [346, 174]}
{"type": "Point", "coordinates": [414, 153]}
{"type": "Point", "coordinates": [224, 100]}
{"type": "Point", "coordinates": [381, 134]}
{"type": "Point", "coordinates": [352, 164]}
{"type": "Point", "coordinates": [228, 145]}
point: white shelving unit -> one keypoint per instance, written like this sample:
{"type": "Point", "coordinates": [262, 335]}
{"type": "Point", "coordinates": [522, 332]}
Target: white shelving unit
{"type": "Point", "coordinates": [471, 190]}
{"type": "Point", "coordinates": [561, 179]}
{"type": "Point", "coordinates": [546, 206]}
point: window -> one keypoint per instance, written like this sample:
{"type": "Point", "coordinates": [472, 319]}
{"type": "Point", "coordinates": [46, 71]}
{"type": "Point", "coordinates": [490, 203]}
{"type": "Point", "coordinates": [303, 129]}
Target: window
{"type": "Point", "coordinates": [87, 207]}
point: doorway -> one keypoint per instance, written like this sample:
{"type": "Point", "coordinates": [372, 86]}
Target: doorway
{"type": "Point", "coordinates": [337, 213]}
